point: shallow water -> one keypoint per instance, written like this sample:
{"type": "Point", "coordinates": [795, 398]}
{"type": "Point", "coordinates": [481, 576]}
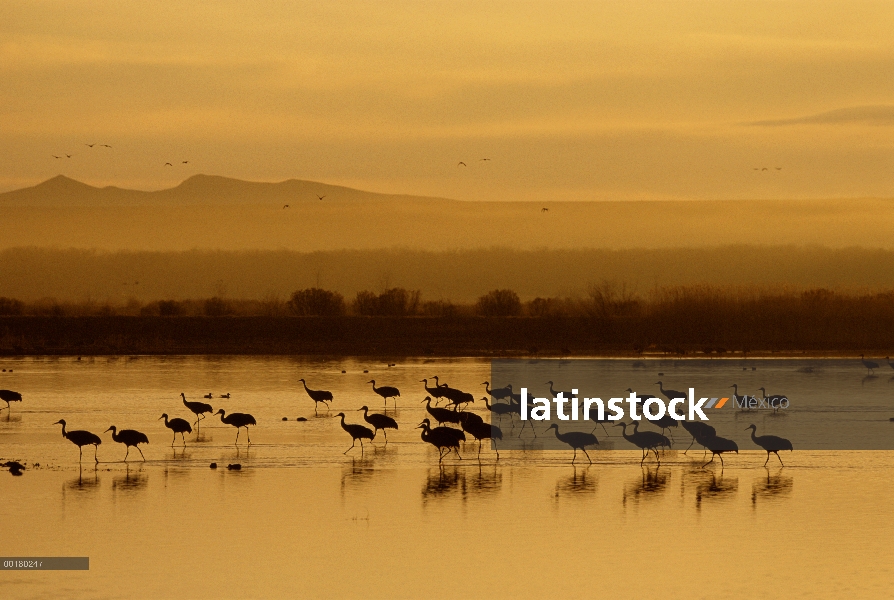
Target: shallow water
{"type": "Point", "coordinates": [301, 519]}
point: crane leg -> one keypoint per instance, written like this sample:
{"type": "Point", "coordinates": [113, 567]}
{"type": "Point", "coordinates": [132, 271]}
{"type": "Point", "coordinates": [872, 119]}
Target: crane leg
{"type": "Point", "coordinates": [768, 459]}
{"type": "Point", "coordinates": [779, 457]}
{"type": "Point", "coordinates": [690, 445]}
{"type": "Point", "coordinates": [174, 440]}
{"type": "Point", "coordinates": [574, 457]}
{"type": "Point", "coordinates": [141, 454]}
{"type": "Point", "coordinates": [183, 437]}
{"type": "Point", "coordinates": [588, 456]}
{"type": "Point", "coordinates": [81, 453]}
{"type": "Point", "coordinates": [95, 450]}
{"type": "Point", "coordinates": [249, 436]}
{"type": "Point", "coordinates": [237, 436]}
{"type": "Point", "coordinates": [126, 453]}
{"type": "Point", "coordinates": [709, 462]}
{"type": "Point", "coordinates": [353, 441]}
{"type": "Point", "coordinates": [658, 458]}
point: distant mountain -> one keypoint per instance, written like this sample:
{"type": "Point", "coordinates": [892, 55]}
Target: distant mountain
{"type": "Point", "coordinates": [197, 190]}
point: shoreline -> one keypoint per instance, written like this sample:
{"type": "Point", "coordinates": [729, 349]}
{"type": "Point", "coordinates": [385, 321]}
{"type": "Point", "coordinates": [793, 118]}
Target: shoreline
{"type": "Point", "coordinates": [485, 337]}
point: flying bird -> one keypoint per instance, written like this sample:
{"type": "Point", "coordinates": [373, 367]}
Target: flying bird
{"type": "Point", "coordinates": [185, 162]}
{"type": "Point", "coordinates": [321, 197]}
{"type": "Point", "coordinates": [54, 156]}
{"type": "Point", "coordinates": [461, 164]}
{"type": "Point", "coordinates": [778, 168]}
{"type": "Point", "coordinates": [285, 206]}
{"type": "Point", "coordinates": [764, 169]}
{"type": "Point", "coordinates": [484, 159]}
{"type": "Point", "coordinates": [90, 145]}
{"type": "Point", "coordinates": [544, 209]}
{"type": "Point", "coordinates": [105, 145]}
{"type": "Point", "coordinates": [68, 156]}
{"type": "Point", "coordinates": [168, 165]}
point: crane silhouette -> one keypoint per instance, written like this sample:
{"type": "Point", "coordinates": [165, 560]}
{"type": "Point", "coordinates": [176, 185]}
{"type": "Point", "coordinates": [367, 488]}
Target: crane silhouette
{"type": "Point", "coordinates": [441, 415]}
{"type": "Point", "coordinates": [197, 408]}
{"type": "Point", "coordinates": [670, 394]}
{"type": "Point", "coordinates": [386, 391]}
{"type": "Point", "coordinates": [441, 438]}
{"type": "Point", "coordinates": [238, 420]}
{"type": "Point", "coordinates": [478, 429]}
{"type": "Point", "coordinates": [437, 392]}
{"type": "Point", "coordinates": [383, 422]}
{"type": "Point", "coordinates": [318, 396]}
{"type": "Point", "coordinates": [890, 364]}
{"type": "Point", "coordinates": [81, 438]}
{"type": "Point", "coordinates": [129, 437]}
{"type": "Point", "coordinates": [645, 440]}
{"type": "Point", "coordinates": [357, 432]}
{"type": "Point", "coordinates": [499, 393]}
{"type": "Point", "coordinates": [10, 396]}
{"type": "Point", "coordinates": [868, 364]}
{"type": "Point", "coordinates": [717, 445]}
{"type": "Point", "coordinates": [770, 443]}
{"type": "Point", "coordinates": [177, 426]}
{"type": "Point", "coordinates": [698, 429]}
{"type": "Point", "coordinates": [500, 408]}
{"type": "Point", "coordinates": [578, 440]}
{"type": "Point", "coordinates": [774, 400]}
{"type": "Point", "coordinates": [739, 400]}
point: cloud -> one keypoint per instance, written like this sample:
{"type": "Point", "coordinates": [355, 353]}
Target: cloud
{"type": "Point", "coordinates": [867, 115]}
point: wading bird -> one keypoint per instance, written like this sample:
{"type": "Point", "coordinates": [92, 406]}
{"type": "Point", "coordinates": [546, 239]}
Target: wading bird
{"type": "Point", "coordinates": [197, 408]}
{"type": "Point", "coordinates": [501, 408]}
{"type": "Point", "coordinates": [320, 197]}
{"type": "Point", "coordinates": [81, 438]}
{"type": "Point", "coordinates": [770, 443]}
{"type": "Point", "coordinates": [698, 429]}
{"type": "Point", "coordinates": [129, 437]}
{"type": "Point", "coordinates": [441, 415]}
{"type": "Point", "coordinates": [386, 391]}
{"type": "Point", "coordinates": [578, 440]}
{"type": "Point", "coordinates": [440, 438]}
{"type": "Point", "coordinates": [774, 401]}
{"type": "Point", "coordinates": [670, 394]}
{"type": "Point", "coordinates": [436, 392]}
{"type": "Point", "coordinates": [10, 396]}
{"type": "Point", "coordinates": [645, 440]}
{"type": "Point", "coordinates": [383, 422]}
{"type": "Point", "coordinates": [480, 430]}
{"type": "Point", "coordinates": [357, 432]}
{"type": "Point", "coordinates": [868, 364]}
{"type": "Point", "coordinates": [238, 420]}
{"type": "Point", "coordinates": [499, 393]}
{"type": "Point", "coordinates": [717, 445]}
{"type": "Point", "coordinates": [177, 426]}
{"type": "Point", "coordinates": [318, 396]}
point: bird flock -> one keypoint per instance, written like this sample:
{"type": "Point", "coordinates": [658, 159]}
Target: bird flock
{"type": "Point", "coordinates": [447, 428]}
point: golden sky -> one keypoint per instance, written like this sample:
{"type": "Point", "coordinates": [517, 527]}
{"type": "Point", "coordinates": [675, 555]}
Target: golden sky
{"type": "Point", "coordinates": [569, 100]}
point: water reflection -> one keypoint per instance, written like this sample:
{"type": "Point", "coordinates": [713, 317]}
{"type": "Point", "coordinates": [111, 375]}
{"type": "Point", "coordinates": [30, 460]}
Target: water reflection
{"type": "Point", "coordinates": [653, 482]}
{"type": "Point", "coordinates": [353, 475]}
{"type": "Point", "coordinates": [131, 481]}
{"type": "Point", "coordinates": [579, 482]}
{"type": "Point", "coordinates": [771, 487]}
{"type": "Point", "coordinates": [485, 481]}
{"type": "Point", "coordinates": [715, 487]}
{"type": "Point", "coordinates": [442, 482]}
{"type": "Point", "coordinates": [83, 483]}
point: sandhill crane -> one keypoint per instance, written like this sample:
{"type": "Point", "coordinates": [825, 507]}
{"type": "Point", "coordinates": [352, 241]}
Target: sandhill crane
{"type": "Point", "coordinates": [698, 429]}
{"type": "Point", "coordinates": [383, 422]}
{"type": "Point", "coordinates": [500, 408]}
{"type": "Point", "coordinates": [317, 396]}
{"type": "Point", "coordinates": [482, 431]}
{"type": "Point", "coordinates": [775, 400]}
{"type": "Point", "coordinates": [441, 415]}
{"type": "Point", "coordinates": [645, 440]}
{"type": "Point", "coordinates": [499, 393]}
{"type": "Point", "coordinates": [717, 446]}
{"type": "Point", "coordinates": [458, 434]}
{"type": "Point", "coordinates": [458, 397]}
{"type": "Point", "coordinates": [238, 420]}
{"type": "Point", "coordinates": [357, 432]}
{"type": "Point", "coordinates": [555, 393]}
{"type": "Point", "coordinates": [670, 394]}
{"type": "Point", "coordinates": [177, 426]}
{"type": "Point", "coordinates": [770, 443]}
{"type": "Point", "coordinates": [868, 364]}
{"type": "Point", "coordinates": [440, 438]}
{"type": "Point", "coordinates": [129, 437]}
{"type": "Point", "coordinates": [468, 420]}
{"type": "Point", "coordinates": [197, 408]}
{"type": "Point", "coordinates": [10, 396]}
{"type": "Point", "coordinates": [386, 391]}
{"type": "Point", "coordinates": [739, 400]}
{"type": "Point", "coordinates": [579, 440]}
{"type": "Point", "coordinates": [436, 392]}
{"type": "Point", "coordinates": [81, 438]}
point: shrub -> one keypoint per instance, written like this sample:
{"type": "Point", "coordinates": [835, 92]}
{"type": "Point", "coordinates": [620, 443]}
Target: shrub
{"type": "Point", "coordinates": [217, 307]}
{"type": "Point", "coordinates": [499, 303]}
{"type": "Point", "coordinates": [394, 302]}
{"type": "Point", "coordinates": [317, 302]}
{"type": "Point", "coordinates": [11, 306]}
